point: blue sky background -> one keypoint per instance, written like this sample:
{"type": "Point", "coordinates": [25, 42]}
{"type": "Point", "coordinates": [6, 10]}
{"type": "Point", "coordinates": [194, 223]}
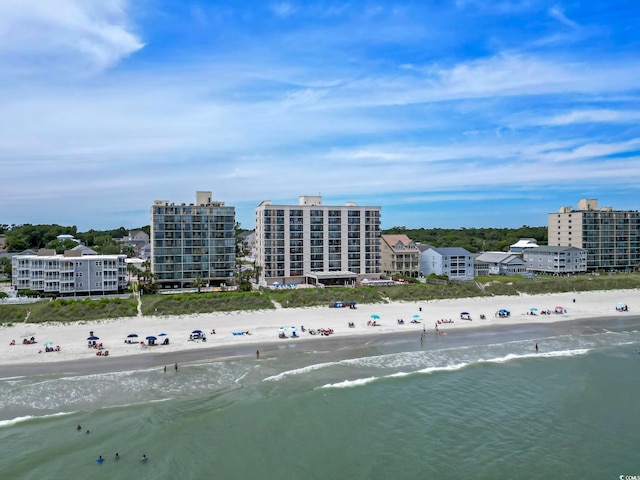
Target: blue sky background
{"type": "Point", "coordinates": [447, 113]}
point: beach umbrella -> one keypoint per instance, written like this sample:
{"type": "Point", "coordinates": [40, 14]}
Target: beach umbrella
{"type": "Point", "coordinates": [162, 335]}
{"type": "Point", "coordinates": [132, 335]}
{"type": "Point", "coordinates": [48, 344]}
{"type": "Point", "coordinates": [151, 337]}
{"type": "Point", "coordinates": [533, 309]}
{"type": "Point", "coordinates": [93, 337]}
{"type": "Point", "coordinates": [416, 316]}
{"type": "Point", "coordinates": [375, 315]}
{"type": "Point", "coordinates": [621, 304]}
{"type": "Point", "coordinates": [464, 313]}
{"type": "Point", "coordinates": [197, 331]}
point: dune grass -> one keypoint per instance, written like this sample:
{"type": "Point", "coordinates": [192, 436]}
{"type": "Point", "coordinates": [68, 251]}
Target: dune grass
{"type": "Point", "coordinates": [74, 310]}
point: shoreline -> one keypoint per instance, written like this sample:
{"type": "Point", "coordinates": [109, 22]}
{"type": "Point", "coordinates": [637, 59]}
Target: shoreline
{"type": "Point", "coordinates": [76, 358]}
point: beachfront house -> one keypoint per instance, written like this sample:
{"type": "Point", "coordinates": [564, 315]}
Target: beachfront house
{"type": "Point", "coordinates": [556, 260]}
{"type": "Point", "coordinates": [399, 255]}
{"type": "Point", "coordinates": [498, 263]}
{"type": "Point", "coordinates": [454, 262]}
{"type": "Point", "coordinates": [523, 245]}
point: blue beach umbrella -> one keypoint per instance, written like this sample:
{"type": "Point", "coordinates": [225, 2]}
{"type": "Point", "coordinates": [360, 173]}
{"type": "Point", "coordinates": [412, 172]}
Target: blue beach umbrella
{"type": "Point", "coordinates": [48, 344]}
{"type": "Point", "coordinates": [132, 335]}
{"type": "Point", "coordinates": [375, 315]}
{"type": "Point", "coordinates": [162, 335]}
{"type": "Point", "coordinates": [93, 337]}
{"type": "Point", "coordinates": [151, 337]}
{"type": "Point", "coordinates": [197, 331]}
{"type": "Point", "coordinates": [533, 309]}
{"type": "Point", "coordinates": [416, 316]}
{"type": "Point", "coordinates": [464, 313]}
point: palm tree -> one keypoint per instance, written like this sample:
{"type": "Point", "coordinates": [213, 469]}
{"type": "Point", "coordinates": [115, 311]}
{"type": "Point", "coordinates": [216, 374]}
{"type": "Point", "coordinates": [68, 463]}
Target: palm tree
{"type": "Point", "coordinates": [198, 283]}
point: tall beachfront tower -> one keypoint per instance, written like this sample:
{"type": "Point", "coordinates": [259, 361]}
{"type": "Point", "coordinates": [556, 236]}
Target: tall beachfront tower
{"type": "Point", "coordinates": [315, 243]}
{"type": "Point", "coordinates": [610, 237]}
{"type": "Point", "coordinates": [190, 241]}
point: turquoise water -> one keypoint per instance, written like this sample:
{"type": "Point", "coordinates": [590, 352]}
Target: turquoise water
{"type": "Point", "coordinates": [477, 404]}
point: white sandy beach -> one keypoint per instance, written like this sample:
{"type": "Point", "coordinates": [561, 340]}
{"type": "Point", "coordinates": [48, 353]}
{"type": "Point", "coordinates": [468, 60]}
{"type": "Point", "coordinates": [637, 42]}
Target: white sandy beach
{"type": "Point", "coordinates": [263, 325]}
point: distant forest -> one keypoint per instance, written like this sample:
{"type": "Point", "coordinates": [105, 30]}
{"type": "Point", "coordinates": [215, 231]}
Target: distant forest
{"type": "Point", "coordinates": [472, 239]}
{"type": "Point", "coordinates": [21, 237]}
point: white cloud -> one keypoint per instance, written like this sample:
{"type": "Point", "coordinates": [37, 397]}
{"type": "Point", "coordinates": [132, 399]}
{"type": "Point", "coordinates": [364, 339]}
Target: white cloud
{"type": "Point", "coordinates": [283, 9]}
{"type": "Point", "coordinates": [93, 32]}
{"type": "Point", "coordinates": [588, 116]}
{"type": "Point", "coordinates": [558, 13]}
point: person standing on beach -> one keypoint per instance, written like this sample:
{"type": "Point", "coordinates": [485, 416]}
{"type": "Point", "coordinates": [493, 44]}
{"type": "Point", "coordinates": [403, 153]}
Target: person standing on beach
{"type": "Point", "coordinates": [536, 347]}
{"type": "Point", "coordinates": [257, 354]}
{"type": "Point", "coordinates": [165, 369]}
{"type": "Point", "coordinates": [176, 367]}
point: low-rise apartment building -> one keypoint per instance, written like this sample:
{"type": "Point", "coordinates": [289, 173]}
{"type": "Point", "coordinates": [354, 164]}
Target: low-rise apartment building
{"type": "Point", "coordinates": [70, 273]}
{"type": "Point", "coordinates": [556, 260]}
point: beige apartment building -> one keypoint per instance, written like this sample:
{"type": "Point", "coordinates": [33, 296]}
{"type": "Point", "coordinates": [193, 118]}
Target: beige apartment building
{"type": "Point", "coordinates": [610, 237]}
{"type": "Point", "coordinates": [399, 255]}
{"type": "Point", "coordinates": [315, 243]}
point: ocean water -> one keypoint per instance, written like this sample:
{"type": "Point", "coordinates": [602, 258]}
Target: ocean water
{"type": "Point", "coordinates": [479, 404]}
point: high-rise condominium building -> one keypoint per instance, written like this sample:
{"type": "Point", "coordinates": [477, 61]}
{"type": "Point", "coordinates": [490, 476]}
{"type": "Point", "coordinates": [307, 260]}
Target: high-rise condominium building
{"type": "Point", "coordinates": [316, 243]}
{"type": "Point", "coordinates": [610, 237]}
{"type": "Point", "coordinates": [192, 241]}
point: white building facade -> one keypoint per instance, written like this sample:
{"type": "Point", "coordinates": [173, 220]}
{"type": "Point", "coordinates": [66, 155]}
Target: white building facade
{"type": "Point", "coordinates": [69, 273]}
{"type": "Point", "coordinates": [293, 241]}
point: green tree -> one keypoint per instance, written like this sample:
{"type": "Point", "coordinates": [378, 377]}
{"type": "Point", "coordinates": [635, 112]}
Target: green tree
{"type": "Point", "coordinates": [5, 266]}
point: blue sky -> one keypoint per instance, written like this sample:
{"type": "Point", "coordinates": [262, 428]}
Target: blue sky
{"type": "Point", "coordinates": [466, 113]}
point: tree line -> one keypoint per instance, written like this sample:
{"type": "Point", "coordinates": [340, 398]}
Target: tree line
{"type": "Point", "coordinates": [472, 239]}
{"type": "Point", "coordinates": [22, 237]}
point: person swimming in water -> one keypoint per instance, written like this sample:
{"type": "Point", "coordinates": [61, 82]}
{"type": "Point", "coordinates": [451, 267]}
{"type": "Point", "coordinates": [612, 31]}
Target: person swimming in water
{"type": "Point", "coordinates": [100, 459]}
{"type": "Point", "coordinates": [144, 458]}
